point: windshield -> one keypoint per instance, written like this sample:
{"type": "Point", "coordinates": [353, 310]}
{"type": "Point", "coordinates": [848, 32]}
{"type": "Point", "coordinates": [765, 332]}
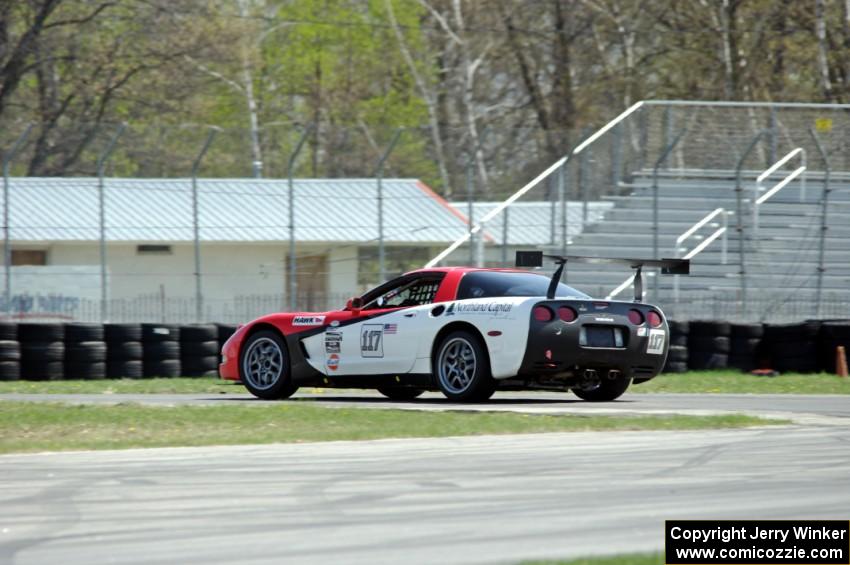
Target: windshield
{"type": "Point", "coordinates": [492, 284]}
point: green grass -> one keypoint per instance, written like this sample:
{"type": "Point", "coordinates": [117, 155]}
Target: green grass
{"type": "Point", "coordinates": [693, 382]}
{"type": "Point", "coordinates": [630, 559]}
{"type": "Point", "coordinates": [200, 385]}
{"type": "Point", "coordinates": [31, 426]}
{"type": "Point", "coordinates": [742, 383]}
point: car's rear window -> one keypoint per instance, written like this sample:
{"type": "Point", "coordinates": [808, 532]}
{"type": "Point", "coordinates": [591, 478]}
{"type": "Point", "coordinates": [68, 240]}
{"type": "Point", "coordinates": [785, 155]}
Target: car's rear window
{"type": "Point", "coordinates": [491, 284]}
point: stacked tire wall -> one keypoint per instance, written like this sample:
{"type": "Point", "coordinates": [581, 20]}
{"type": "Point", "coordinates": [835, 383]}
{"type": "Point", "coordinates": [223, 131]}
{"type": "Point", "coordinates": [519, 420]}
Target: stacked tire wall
{"type": "Point", "coordinates": [745, 349]}
{"type": "Point", "coordinates": [677, 355]}
{"type": "Point", "coordinates": [199, 350]}
{"type": "Point", "coordinates": [42, 351]}
{"type": "Point", "coordinates": [832, 334]}
{"type": "Point", "coordinates": [85, 351]}
{"type": "Point", "coordinates": [161, 350]}
{"type": "Point", "coordinates": [708, 345]}
{"type": "Point", "coordinates": [791, 347]}
{"type": "Point", "coordinates": [124, 352]}
{"type": "Point", "coordinates": [10, 352]}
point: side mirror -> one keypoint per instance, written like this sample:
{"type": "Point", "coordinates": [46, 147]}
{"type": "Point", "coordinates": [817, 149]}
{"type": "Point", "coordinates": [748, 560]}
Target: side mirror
{"type": "Point", "coordinates": [354, 304]}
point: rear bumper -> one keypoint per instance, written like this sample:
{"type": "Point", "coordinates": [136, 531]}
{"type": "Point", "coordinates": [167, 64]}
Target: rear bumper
{"type": "Point", "coordinates": [554, 348]}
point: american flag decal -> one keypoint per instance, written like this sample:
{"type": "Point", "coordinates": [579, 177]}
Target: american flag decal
{"type": "Point", "coordinates": [390, 328]}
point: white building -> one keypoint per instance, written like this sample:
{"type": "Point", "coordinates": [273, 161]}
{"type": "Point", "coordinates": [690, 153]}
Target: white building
{"type": "Point", "coordinates": [244, 241]}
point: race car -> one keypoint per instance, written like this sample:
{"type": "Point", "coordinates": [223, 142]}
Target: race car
{"type": "Point", "coordinates": [463, 331]}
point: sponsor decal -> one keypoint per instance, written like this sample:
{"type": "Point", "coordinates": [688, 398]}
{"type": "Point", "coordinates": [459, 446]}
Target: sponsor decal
{"type": "Point", "coordinates": [656, 342]}
{"type": "Point", "coordinates": [372, 340]}
{"type": "Point", "coordinates": [490, 308]}
{"type": "Point", "coordinates": [333, 342]}
{"type": "Point", "coordinates": [582, 308]}
{"type": "Point", "coordinates": [333, 362]}
{"type": "Point", "coordinates": [308, 320]}
{"type": "Point", "coordinates": [390, 329]}
{"type": "Point", "coordinates": [641, 332]}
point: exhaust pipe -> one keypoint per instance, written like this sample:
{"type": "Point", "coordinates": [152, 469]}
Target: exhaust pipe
{"type": "Point", "coordinates": [590, 374]}
{"type": "Point", "coordinates": [614, 374]}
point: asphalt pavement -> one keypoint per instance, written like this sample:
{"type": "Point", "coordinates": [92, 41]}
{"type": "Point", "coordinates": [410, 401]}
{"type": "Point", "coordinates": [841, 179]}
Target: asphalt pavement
{"type": "Point", "coordinates": [489, 499]}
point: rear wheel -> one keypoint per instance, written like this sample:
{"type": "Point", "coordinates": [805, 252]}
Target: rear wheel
{"type": "Point", "coordinates": [264, 366]}
{"type": "Point", "coordinates": [607, 390]}
{"type": "Point", "coordinates": [400, 392]}
{"type": "Point", "coordinates": [462, 368]}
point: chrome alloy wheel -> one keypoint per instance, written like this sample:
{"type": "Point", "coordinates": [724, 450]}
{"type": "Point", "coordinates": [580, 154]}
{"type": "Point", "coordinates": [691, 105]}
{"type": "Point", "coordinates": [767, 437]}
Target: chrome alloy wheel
{"type": "Point", "coordinates": [456, 365]}
{"type": "Point", "coordinates": [263, 363]}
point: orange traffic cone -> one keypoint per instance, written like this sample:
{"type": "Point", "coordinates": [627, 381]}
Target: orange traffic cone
{"type": "Point", "coordinates": [840, 361]}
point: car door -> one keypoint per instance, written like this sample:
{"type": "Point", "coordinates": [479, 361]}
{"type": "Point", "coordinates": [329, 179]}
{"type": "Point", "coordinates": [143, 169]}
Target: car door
{"type": "Point", "coordinates": [385, 341]}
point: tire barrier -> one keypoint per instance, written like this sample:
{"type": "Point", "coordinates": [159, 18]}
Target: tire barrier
{"type": "Point", "coordinates": [199, 350]}
{"type": "Point", "coordinates": [833, 333]}
{"type": "Point", "coordinates": [42, 351]}
{"type": "Point", "coordinates": [791, 347]}
{"type": "Point", "coordinates": [36, 351]}
{"type": "Point", "coordinates": [124, 352]}
{"type": "Point", "coordinates": [85, 351]}
{"type": "Point", "coordinates": [708, 345]}
{"type": "Point", "coordinates": [160, 350]}
{"type": "Point", "coordinates": [10, 352]}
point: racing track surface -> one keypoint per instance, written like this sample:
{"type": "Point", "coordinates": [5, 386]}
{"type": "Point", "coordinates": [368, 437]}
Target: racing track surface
{"type": "Point", "coordinates": [452, 500]}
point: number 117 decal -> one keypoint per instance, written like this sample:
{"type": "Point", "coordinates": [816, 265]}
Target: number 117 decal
{"type": "Point", "coordinates": [655, 343]}
{"type": "Point", "coordinates": [372, 340]}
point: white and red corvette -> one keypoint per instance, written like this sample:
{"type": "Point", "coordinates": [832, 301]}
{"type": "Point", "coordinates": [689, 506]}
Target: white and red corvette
{"type": "Point", "coordinates": [463, 331]}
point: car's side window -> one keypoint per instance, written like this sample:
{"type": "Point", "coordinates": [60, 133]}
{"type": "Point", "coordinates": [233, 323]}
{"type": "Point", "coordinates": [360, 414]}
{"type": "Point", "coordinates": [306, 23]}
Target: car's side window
{"type": "Point", "coordinates": [410, 293]}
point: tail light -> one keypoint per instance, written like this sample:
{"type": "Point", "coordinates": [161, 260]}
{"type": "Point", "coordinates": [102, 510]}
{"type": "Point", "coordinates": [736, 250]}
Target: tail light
{"type": "Point", "coordinates": [654, 319]}
{"type": "Point", "coordinates": [543, 314]}
{"type": "Point", "coordinates": [635, 317]}
{"type": "Point", "coordinates": [567, 314]}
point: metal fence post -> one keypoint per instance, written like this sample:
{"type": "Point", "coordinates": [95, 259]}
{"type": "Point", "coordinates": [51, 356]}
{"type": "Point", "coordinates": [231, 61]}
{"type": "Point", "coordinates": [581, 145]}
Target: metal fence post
{"type": "Point", "coordinates": [379, 174]}
{"type": "Point", "coordinates": [290, 169]}
{"type": "Point", "coordinates": [505, 216]}
{"type": "Point", "coordinates": [7, 245]}
{"type": "Point", "coordinates": [667, 129]}
{"type": "Point", "coordinates": [199, 297]}
{"type": "Point", "coordinates": [823, 222]}
{"type": "Point", "coordinates": [101, 200]}
{"type": "Point", "coordinates": [643, 136]}
{"type": "Point", "coordinates": [658, 163]}
{"type": "Point", "coordinates": [739, 219]}
{"type": "Point", "coordinates": [771, 125]}
{"type": "Point", "coordinates": [470, 213]}
{"type": "Point", "coordinates": [562, 198]}
{"type": "Point", "coordinates": [616, 156]}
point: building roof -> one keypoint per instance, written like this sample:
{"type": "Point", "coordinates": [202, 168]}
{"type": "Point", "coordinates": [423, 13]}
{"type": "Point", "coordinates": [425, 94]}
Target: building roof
{"type": "Point", "coordinates": [530, 223]}
{"type": "Point", "coordinates": [230, 210]}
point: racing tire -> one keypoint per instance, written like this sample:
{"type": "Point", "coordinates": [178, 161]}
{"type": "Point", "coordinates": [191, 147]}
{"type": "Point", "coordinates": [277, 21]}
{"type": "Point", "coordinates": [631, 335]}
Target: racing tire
{"type": "Point", "coordinates": [165, 368]}
{"type": "Point", "coordinates": [153, 333]}
{"type": "Point", "coordinates": [677, 354]}
{"type": "Point", "coordinates": [40, 332]}
{"type": "Point", "coordinates": [43, 370]}
{"type": "Point", "coordinates": [708, 328]}
{"type": "Point", "coordinates": [161, 350]}
{"type": "Point", "coordinates": [199, 348]}
{"type": "Point", "coordinates": [85, 352]}
{"type": "Point", "coordinates": [129, 369]}
{"type": "Point", "coordinates": [79, 332]}
{"type": "Point", "coordinates": [10, 350]}
{"type": "Point", "coordinates": [119, 333]}
{"type": "Point", "coordinates": [85, 370]}
{"type": "Point", "coordinates": [42, 351]}
{"type": "Point", "coordinates": [607, 390]}
{"type": "Point", "coordinates": [461, 368]}
{"type": "Point", "coordinates": [124, 351]}
{"type": "Point", "coordinates": [675, 367]}
{"type": "Point", "coordinates": [400, 392]}
{"type": "Point", "coordinates": [8, 331]}
{"type": "Point", "coordinates": [203, 332]}
{"type": "Point", "coordinates": [264, 366]}
{"type": "Point", "coordinates": [709, 344]}
{"type": "Point", "coordinates": [10, 371]}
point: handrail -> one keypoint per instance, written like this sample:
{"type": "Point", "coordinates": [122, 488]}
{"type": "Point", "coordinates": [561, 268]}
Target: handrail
{"type": "Point", "coordinates": [759, 186]}
{"type": "Point", "coordinates": [705, 243]}
{"type": "Point", "coordinates": [693, 252]}
{"type": "Point", "coordinates": [584, 144]}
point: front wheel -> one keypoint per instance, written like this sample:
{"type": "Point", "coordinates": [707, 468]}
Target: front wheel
{"type": "Point", "coordinates": [400, 392]}
{"type": "Point", "coordinates": [462, 368]}
{"type": "Point", "coordinates": [264, 366]}
{"type": "Point", "coordinates": [607, 390]}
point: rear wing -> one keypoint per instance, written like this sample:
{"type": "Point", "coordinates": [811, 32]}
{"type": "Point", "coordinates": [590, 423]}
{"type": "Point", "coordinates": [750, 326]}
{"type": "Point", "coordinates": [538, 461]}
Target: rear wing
{"type": "Point", "coordinates": [667, 266]}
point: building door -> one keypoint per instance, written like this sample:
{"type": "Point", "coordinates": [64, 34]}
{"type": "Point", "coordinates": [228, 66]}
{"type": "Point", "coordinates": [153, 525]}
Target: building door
{"type": "Point", "coordinates": [311, 278]}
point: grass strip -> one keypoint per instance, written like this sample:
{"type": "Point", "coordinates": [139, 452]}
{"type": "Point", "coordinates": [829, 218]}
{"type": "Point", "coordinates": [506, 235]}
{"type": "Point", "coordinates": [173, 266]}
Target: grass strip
{"type": "Point", "coordinates": [628, 559]}
{"type": "Point", "coordinates": [31, 426]}
{"type": "Point", "coordinates": [706, 382]}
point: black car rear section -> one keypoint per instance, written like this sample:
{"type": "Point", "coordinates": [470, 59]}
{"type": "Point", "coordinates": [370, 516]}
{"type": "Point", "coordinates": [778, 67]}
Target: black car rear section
{"type": "Point", "coordinates": [571, 341]}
